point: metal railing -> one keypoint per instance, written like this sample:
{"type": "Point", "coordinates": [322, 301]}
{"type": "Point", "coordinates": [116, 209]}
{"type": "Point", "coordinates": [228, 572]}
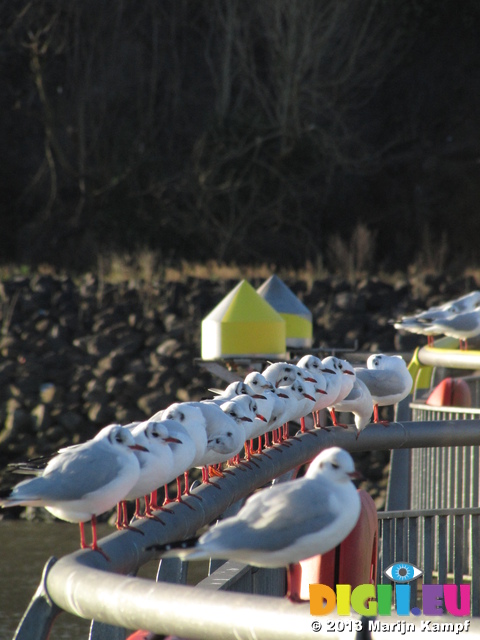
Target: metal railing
{"type": "Point", "coordinates": [445, 543]}
{"type": "Point", "coordinates": [85, 584]}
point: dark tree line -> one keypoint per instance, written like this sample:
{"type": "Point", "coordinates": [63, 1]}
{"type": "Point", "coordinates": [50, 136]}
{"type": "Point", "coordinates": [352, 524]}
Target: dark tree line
{"type": "Point", "coordinates": [246, 131]}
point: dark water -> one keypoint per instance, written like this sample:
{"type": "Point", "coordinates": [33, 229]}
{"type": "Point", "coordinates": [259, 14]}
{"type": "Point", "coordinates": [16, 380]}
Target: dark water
{"type": "Point", "coordinates": [25, 547]}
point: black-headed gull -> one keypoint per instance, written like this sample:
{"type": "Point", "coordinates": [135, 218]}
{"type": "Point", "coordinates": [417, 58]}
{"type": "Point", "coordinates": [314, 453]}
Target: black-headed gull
{"type": "Point", "coordinates": [424, 323]}
{"type": "Point", "coordinates": [184, 451]}
{"type": "Point", "coordinates": [461, 326]}
{"type": "Point", "coordinates": [250, 408]}
{"type": "Point", "coordinates": [298, 398]}
{"type": "Point", "coordinates": [260, 425]}
{"type": "Point", "coordinates": [359, 402]}
{"type": "Point", "coordinates": [254, 385]}
{"type": "Point", "coordinates": [225, 426]}
{"type": "Point", "coordinates": [332, 376]}
{"type": "Point", "coordinates": [316, 370]}
{"type": "Point", "coordinates": [84, 480]}
{"type": "Point", "coordinates": [287, 522]}
{"type": "Point", "coordinates": [243, 411]}
{"type": "Point", "coordinates": [156, 468]}
{"type": "Point", "coordinates": [190, 417]}
{"type": "Point", "coordinates": [283, 373]}
{"type": "Point", "coordinates": [347, 380]}
{"type": "Point", "coordinates": [387, 379]}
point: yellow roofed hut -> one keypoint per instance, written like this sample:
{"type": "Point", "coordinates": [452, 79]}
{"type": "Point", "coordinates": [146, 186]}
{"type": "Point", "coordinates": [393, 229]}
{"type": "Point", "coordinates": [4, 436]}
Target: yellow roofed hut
{"type": "Point", "coordinates": [298, 318]}
{"type": "Point", "coordinates": [243, 324]}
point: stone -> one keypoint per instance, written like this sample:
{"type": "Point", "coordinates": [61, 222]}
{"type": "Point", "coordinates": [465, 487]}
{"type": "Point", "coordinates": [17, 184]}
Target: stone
{"type": "Point", "coordinates": [40, 417]}
{"type": "Point", "coordinates": [101, 414]}
{"type": "Point", "coordinates": [17, 420]}
{"type": "Point", "coordinates": [153, 402]}
{"type": "Point", "coordinates": [47, 392]}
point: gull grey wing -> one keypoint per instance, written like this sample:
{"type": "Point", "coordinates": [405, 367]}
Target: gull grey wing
{"type": "Point", "coordinates": [464, 322]}
{"type": "Point", "coordinates": [380, 383]}
{"type": "Point", "coordinates": [355, 394]}
{"type": "Point", "coordinates": [80, 472]}
{"type": "Point", "coordinates": [279, 523]}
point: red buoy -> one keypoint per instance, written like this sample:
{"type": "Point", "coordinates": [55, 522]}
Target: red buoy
{"type": "Point", "coordinates": [353, 562]}
{"type": "Point", "coordinates": [451, 392]}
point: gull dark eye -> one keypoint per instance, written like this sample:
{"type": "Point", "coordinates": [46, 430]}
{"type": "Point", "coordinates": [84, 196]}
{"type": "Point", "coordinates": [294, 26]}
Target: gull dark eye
{"type": "Point", "coordinates": [335, 465]}
{"type": "Point", "coordinates": [155, 434]}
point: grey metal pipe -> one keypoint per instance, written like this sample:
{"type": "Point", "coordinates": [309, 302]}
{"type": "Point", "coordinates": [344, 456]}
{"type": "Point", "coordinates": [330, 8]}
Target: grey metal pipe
{"type": "Point", "coordinates": [135, 603]}
{"type": "Point", "coordinates": [450, 358]}
{"type": "Point", "coordinates": [83, 583]}
{"type": "Point", "coordinates": [127, 549]}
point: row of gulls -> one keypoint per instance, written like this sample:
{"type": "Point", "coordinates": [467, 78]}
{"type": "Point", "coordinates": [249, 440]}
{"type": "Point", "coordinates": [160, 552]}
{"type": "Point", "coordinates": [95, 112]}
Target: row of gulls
{"type": "Point", "coordinates": [458, 318]}
{"type": "Point", "coordinates": [276, 527]}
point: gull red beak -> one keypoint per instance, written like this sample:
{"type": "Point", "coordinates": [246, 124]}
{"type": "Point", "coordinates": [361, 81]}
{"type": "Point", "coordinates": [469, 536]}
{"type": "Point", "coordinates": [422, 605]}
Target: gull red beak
{"type": "Point", "coordinates": [356, 475]}
{"type": "Point", "coordinates": [320, 391]}
{"type": "Point", "coordinates": [259, 396]}
{"type": "Point", "coordinates": [246, 419]}
{"type": "Point", "coordinates": [328, 371]}
{"type": "Point", "coordinates": [309, 397]}
{"type": "Point", "coordinates": [282, 395]}
{"type": "Point", "coordinates": [170, 439]}
{"type": "Point", "coordinates": [310, 379]}
{"type": "Point", "coordinates": [260, 417]}
{"type": "Point", "coordinates": [350, 373]}
{"type": "Point", "coordinates": [137, 447]}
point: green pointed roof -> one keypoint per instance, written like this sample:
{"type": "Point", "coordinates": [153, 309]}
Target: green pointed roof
{"type": "Point", "coordinates": [242, 304]}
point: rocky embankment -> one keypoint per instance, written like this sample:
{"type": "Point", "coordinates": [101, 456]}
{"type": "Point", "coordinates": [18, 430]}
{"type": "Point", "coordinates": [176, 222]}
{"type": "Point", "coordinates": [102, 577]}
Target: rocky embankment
{"type": "Point", "coordinates": [76, 356]}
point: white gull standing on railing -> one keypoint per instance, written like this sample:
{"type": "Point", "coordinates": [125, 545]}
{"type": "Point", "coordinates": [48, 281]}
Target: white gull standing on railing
{"type": "Point", "coordinates": [387, 379]}
{"type": "Point", "coordinates": [424, 323]}
{"type": "Point", "coordinates": [285, 523]}
{"type": "Point", "coordinates": [253, 385]}
{"type": "Point", "coordinates": [83, 481]}
{"type": "Point", "coordinates": [347, 380]}
{"type": "Point", "coordinates": [156, 468]}
{"type": "Point", "coordinates": [461, 326]}
{"type": "Point", "coordinates": [359, 402]}
{"type": "Point", "coordinates": [193, 420]}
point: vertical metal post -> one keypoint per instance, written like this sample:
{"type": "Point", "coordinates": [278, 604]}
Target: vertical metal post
{"type": "Point", "coordinates": [398, 488]}
{"type": "Point", "coordinates": [41, 612]}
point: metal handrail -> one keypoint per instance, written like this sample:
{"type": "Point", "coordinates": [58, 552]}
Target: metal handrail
{"type": "Point", "coordinates": [85, 584]}
{"type": "Point", "coordinates": [443, 410]}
